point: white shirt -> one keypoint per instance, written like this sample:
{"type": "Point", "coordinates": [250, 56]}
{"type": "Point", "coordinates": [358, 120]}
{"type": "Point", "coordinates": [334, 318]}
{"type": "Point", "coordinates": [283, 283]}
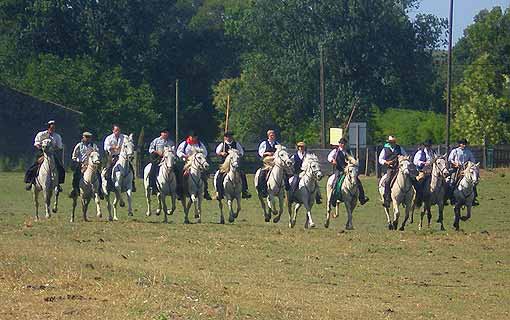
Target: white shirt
{"type": "Point", "coordinates": [185, 149]}
{"type": "Point", "coordinates": [238, 146]}
{"type": "Point", "coordinates": [56, 139]}
{"type": "Point", "coordinates": [461, 156]}
{"type": "Point", "coordinates": [82, 151]}
{"type": "Point", "coordinates": [159, 144]}
{"type": "Point", "coordinates": [262, 147]}
{"type": "Point", "coordinates": [113, 141]}
{"type": "Point", "coordinates": [382, 155]}
{"type": "Point", "coordinates": [428, 155]}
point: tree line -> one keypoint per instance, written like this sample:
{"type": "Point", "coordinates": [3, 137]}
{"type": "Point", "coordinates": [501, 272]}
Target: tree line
{"type": "Point", "coordinates": [117, 61]}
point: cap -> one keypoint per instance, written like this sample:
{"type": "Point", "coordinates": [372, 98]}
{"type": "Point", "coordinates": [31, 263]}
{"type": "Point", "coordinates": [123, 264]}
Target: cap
{"type": "Point", "coordinates": [87, 134]}
{"type": "Point", "coordinates": [301, 144]}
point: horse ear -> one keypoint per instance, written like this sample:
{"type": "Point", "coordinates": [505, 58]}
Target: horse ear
{"type": "Point", "coordinates": [477, 164]}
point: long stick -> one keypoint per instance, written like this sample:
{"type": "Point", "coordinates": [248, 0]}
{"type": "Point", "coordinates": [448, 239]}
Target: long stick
{"type": "Point", "coordinates": [177, 111]}
{"type": "Point", "coordinates": [346, 128]}
{"type": "Point", "coordinates": [226, 119]}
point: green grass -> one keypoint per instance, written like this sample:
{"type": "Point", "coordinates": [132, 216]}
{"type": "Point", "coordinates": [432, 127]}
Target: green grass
{"type": "Point", "coordinates": [139, 268]}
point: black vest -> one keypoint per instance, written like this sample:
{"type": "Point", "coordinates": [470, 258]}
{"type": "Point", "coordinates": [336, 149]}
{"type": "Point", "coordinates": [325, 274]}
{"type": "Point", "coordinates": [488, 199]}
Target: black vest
{"type": "Point", "coordinates": [341, 162]}
{"type": "Point", "coordinates": [270, 148]}
{"type": "Point", "coordinates": [298, 162]}
{"type": "Point", "coordinates": [392, 155]}
{"type": "Point", "coordinates": [227, 146]}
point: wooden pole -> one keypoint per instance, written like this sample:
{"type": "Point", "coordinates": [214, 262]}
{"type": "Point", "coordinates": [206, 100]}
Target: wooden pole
{"type": "Point", "coordinates": [322, 93]}
{"type": "Point", "coordinates": [346, 128]}
{"type": "Point", "coordinates": [449, 79]}
{"type": "Point", "coordinates": [177, 111]}
{"type": "Point", "coordinates": [367, 153]}
{"type": "Point", "coordinates": [227, 115]}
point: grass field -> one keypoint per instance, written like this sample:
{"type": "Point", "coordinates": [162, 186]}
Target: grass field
{"type": "Point", "coordinates": [139, 268]}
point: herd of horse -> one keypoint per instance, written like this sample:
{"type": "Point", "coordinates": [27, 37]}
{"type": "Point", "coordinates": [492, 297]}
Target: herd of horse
{"type": "Point", "coordinates": [279, 166]}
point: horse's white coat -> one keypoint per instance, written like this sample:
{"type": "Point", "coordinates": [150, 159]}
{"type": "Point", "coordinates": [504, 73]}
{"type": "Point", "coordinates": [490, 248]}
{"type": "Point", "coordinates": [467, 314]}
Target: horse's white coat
{"type": "Point", "coordinates": [464, 192]}
{"type": "Point", "coordinates": [196, 165]}
{"type": "Point", "coordinates": [89, 187]}
{"type": "Point", "coordinates": [232, 185]}
{"type": "Point", "coordinates": [46, 180]}
{"type": "Point", "coordinates": [349, 191]}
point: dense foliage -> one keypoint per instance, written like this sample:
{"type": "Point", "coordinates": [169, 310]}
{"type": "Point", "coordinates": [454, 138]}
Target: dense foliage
{"type": "Point", "coordinates": [118, 61]}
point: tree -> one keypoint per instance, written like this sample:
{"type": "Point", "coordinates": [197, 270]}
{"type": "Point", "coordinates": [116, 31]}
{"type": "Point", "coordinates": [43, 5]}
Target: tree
{"type": "Point", "coordinates": [481, 104]}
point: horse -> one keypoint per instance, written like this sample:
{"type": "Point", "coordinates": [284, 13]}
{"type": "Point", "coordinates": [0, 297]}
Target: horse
{"type": "Point", "coordinates": [89, 186]}
{"type": "Point", "coordinates": [349, 193]}
{"type": "Point", "coordinates": [46, 180]}
{"type": "Point", "coordinates": [402, 192]}
{"type": "Point", "coordinates": [166, 184]}
{"type": "Point", "coordinates": [122, 178]}
{"type": "Point", "coordinates": [464, 192]}
{"type": "Point", "coordinates": [306, 192]}
{"type": "Point", "coordinates": [232, 185]}
{"type": "Point", "coordinates": [195, 165]}
{"type": "Point", "coordinates": [434, 191]}
{"type": "Point", "coordinates": [279, 164]}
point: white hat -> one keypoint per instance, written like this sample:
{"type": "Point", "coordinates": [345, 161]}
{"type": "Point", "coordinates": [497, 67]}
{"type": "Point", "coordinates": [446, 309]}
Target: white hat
{"type": "Point", "coordinates": [87, 134]}
{"type": "Point", "coordinates": [391, 138]}
{"type": "Point", "coordinates": [51, 122]}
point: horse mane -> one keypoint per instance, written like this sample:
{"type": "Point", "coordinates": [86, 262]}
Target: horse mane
{"type": "Point", "coordinates": [309, 158]}
{"type": "Point", "coordinates": [225, 167]}
{"type": "Point", "coordinates": [191, 157]}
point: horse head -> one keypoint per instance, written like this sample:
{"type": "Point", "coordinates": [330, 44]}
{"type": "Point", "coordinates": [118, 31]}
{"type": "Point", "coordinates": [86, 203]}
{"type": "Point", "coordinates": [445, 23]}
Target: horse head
{"type": "Point", "coordinates": [168, 157]}
{"type": "Point", "coordinates": [128, 148]}
{"type": "Point", "coordinates": [281, 157]}
{"type": "Point", "coordinates": [352, 170]}
{"type": "Point", "coordinates": [472, 172]}
{"type": "Point", "coordinates": [198, 161]}
{"type": "Point", "coordinates": [94, 158]}
{"type": "Point", "coordinates": [440, 167]}
{"type": "Point", "coordinates": [46, 146]}
{"type": "Point", "coordinates": [405, 166]}
{"type": "Point", "coordinates": [311, 163]}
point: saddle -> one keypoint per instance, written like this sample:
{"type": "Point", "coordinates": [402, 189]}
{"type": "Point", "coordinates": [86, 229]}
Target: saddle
{"type": "Point", "coordinates": [383, 180]}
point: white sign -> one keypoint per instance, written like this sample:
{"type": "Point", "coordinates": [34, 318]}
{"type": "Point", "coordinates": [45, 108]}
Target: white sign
{"type": "Point", "coordinates": [335, 134]}
{"type": "Point", "coordinates": [358, 134]}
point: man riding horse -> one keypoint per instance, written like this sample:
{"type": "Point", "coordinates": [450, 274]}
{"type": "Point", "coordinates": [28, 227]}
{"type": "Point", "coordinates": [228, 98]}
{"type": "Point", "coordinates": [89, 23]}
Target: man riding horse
{"type": "Point", "coordinates": [156, 151]}
{"type": "Point", "coordinates": [80, 156]}
{"type": "Point", "coordinates": [389, 158]}
{"type": "Point", "coordinates": [457, 159]}
{"type": "Point", "coordinates": [298, 158]}
{"type": "Point", "coordinates": [267, 148]}
{"type": "Point", "coordinates": [112, 146]}
{"type": "Point", "coordinates": [184, 150]}
{"type": "Point", "coordinates": [56, 142]}
{"type": "Point", "coordinates": [423, 161]}
{"type": "Point", "coordinates": [338, 157]}
{"type": "Point", "coordinates": [222, 152]}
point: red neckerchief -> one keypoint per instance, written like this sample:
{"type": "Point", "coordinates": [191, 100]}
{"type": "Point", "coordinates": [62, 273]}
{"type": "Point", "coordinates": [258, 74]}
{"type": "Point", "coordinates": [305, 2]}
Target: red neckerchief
{"type": "Point", "coordinates": [189, 140]}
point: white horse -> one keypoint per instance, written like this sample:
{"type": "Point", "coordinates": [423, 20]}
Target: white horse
{"type": "Point", "coordinates": [195, 166]}
{"type": "Point", "coordinates": [278, 164]}
{"type": "Point", "coordinates": [434, 191]}
{"type": "Point", "coordinates": [464, 192]}
{"type": "Point", "coordinates": [402, 192]}
{"type": "Point", "coordinates": [89, 186]}
{"type": "Point", "coordinates": [166, 184]}
{"type": "Point", "coordinates": [46, 180]}
{"type": "Point", "coordinates": [122, 178]}
{"type": "Point", "coordinates": [307, 190]}
{"type": "Point", "coordinates": [232, 185]}
{"type": "Point", "coordinates": [348, 191]}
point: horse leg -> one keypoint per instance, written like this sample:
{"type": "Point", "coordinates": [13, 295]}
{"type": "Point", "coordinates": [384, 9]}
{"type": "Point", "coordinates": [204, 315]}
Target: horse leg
{"type": "Point", "coordinates": [74, 209]}
{"type": "Point", "coordinates": [55, 205]}
{"type": "Point", "coordinates": [160, 203]}
{"type": "Point", "coordinates": [230, 204]}
{"type": "Point", "coordinates": [199, 207]}
{"type": "Point", "coordinates": [267, 217]}
{"type": "Point", "coordinates": [108, 205]}
{"type": "Point", "coordinates": [468, 213]}
{"type": "Point", "coordinates": [130, 204]}
{"type": "Point", "coordinates": [406, 217]}
{"type": "Point", "coordinates": [148, 200]}
{"type": "Point", "coordinates": [84, 207]}
{"type": "Point", "coordinates": [429, 214]}
{"type": "Point", "coordinates": [172, 196]}
{"type": "Point", "coordinates": [186, 206]}
{"type": "Point", "coordinates": [396, 215]}
{"type": "Point", "coordinates": [294, 217]}
{"type": "Point", "coordinates": [36, 202]}
{"type": "Point", "coordinates": [412, 212]}
{"type": "Point", "coordinates": [97, 200]}
{"type": "Point", "coordinates": [220, 205]}
{"type": "Point", "coordinates": [115, 202]}
{"type": "Point", "coordinates": [47, 202]}
{"type": "Point", "coordinates": [238, 210]}
{"type": "Point", "coordinates": [388, 218]}
{"type": "Point", "coordinates": [457, 217]}
{"type": "Point", "coordinates": [422, 214]}
{"type": "Point", "coordinates": [280, 208]}
{"type": "Point", "coordinates": [308, 207]}
{"type": "Point", "coordinates": [440, 215]}
{"type": "Point", "coordinates": [349, 209]}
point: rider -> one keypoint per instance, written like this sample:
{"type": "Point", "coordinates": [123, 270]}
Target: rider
{"type": "Point", "coordinates": [422, 159]}
{"type": "Point", "coordinates": [298, 158]}
{"type": "Point", "coordinates": [389, 158]}
{"type": "Point", "coordinates": [112, 146]}
{"type": "Point", "coordinates": [156, 150]}
{"type": "Point", "coordinates": [222, 152]}
{"type": "Point", "coordinates": [267, 148]}
{"type": "Point", "coordinates": [184, 150]}
{"type": "Point", "coordinates": [56, 142]}
{"type": "Point", "coordinates": [457, 158]}
{"type": "Point", "coordinates": [338, 158]}
{"type": "Point", "coordinates": [81, 153]}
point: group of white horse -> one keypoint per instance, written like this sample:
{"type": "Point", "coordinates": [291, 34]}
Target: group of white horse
{"type": "Point", "coordinates": [279, 167]}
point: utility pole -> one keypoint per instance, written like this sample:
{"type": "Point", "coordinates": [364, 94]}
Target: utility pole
{"type": "Point", "coordinates": [323, 117]}
{"type": "Point", "coordinates": [177, 111]}
{"type": "Point", "coordinates": [449, 80]}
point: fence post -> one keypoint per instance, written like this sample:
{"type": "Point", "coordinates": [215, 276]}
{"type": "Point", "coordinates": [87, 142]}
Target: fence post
{"type": "Point", "coordinates": [367, 157]}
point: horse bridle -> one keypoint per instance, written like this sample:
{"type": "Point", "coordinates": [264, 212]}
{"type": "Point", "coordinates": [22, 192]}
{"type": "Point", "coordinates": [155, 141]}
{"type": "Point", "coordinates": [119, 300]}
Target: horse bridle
{"type": "Point", "coordinates": [409, 189]}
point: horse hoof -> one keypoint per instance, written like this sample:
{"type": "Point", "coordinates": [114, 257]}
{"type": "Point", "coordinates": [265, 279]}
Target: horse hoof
{"type": "Point", "coordinates": [165, 221]}
{"type": "Point", "coordinates": [158, 212]}
{"type": "Point", "coordinates": [231, 219]}
{"type": "Point", "coordinates": [169, 212]}
{"type": "Point", "coordinates": [326, 225]}
{"type": "Point", "coordinates": [199, 220]}
{"type": "Point", "coordinates": [186, 221]}
{"type": "Point", "coordinates": [122, 204]}
{"type": "Point", "coordinates": [349, 228]}
{"type": "Point", "coordinates": [99, 215]}
{"type": "Point", "coordinates": [276, 219]}
{"type": "Point", "coordinates": [311, 225]}
{"type": "Point", "coordinates": [401, 228]}
{"type": "Point", "coordinates": [54, 210]}
{"type": "Point", "coordinates": [456, 226]}
{"type": "Point", "coordinates": [267, 218]}
{"type": "Point", "coordinates": [222, 221]}
{"type": "Point", "coordinates": [197, 216]}
{"type": "Point", "coordinates": [148, 213]}
{"type": "Point", "coordinates": [464, 218]}
{"type": "Point", "coordinates": [115, 219]}
{"type": "Point", "coordinates": [130, 214]}
{"type": "Point", "coordinates": [395, 225]}
{"type": "Point", "coordinates": [390, 226]}
{"type": "Point", "coordinates": [110, 219]}
{"type": "Point", "coordinates": [442, 228]}
{"type": "Point", "coordinates": [72, 220]}
{"type": "Point", "coordinates": [85, 220]}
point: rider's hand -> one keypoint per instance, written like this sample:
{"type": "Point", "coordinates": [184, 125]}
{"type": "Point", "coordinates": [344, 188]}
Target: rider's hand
{"type": "Point", "coordinates": [387, 162]}
{"type": "Point", "coordinates": [268, 154]}
{"type": "Point", "coordinates": [223, 154]}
